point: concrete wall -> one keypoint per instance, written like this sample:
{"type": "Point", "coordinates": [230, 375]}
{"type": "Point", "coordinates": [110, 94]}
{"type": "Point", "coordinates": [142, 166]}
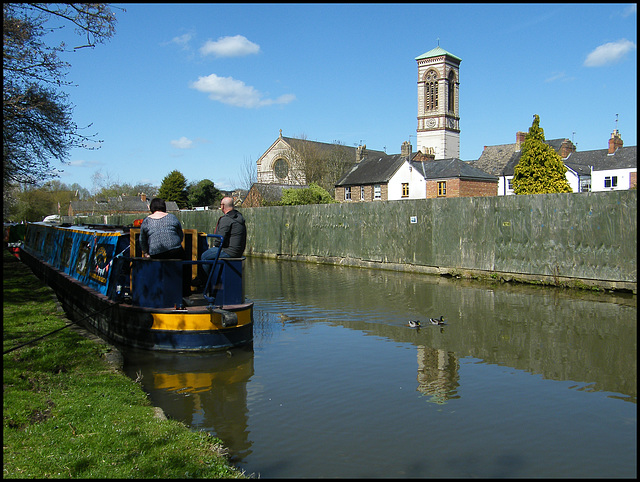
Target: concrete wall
{"type": "Point", "coordinates": [572, 239]}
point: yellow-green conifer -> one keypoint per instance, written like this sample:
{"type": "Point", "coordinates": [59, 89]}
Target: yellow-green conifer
{"type": "Point", "coordinates": [540, 170]}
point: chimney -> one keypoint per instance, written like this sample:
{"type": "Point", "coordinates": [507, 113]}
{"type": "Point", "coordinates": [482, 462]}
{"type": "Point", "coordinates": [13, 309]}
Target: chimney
{"type": "Point", "coordinates": [143, 197]}
{"type": "Point", "coordinates": [429, 156]}
{"type": "Point", "coordinates": [406, 149]}
{"type": "Point", "coordinates": [360, 152]}
{"type": "Point", "coordinates": [520, 140]}
{"type": "Point", "coordinates": [615, 142]}
{"type": "Point", "coordinates": [566, 148]}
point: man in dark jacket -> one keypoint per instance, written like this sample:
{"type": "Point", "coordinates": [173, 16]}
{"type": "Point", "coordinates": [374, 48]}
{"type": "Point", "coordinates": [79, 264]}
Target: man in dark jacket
{"type": "Point", "coordinates": [232, 228]}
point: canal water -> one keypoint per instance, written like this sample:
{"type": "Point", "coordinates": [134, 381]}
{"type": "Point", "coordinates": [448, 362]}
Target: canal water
{"type": "Point", "coordinates": [521, 381]}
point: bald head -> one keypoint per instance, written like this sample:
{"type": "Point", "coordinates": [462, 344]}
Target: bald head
{"type": "Point", "coordinates": [226, 204]}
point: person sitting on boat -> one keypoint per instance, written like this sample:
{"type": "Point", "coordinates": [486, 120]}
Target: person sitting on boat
{"type": "Point", "coordinates": [231, 227]}
{"type": "Point", "coordinates": [161, 233]}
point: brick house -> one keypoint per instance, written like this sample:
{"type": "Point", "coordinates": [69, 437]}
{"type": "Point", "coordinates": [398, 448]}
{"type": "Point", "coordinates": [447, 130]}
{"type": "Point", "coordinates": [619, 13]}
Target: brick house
{"type": "Point", "coordinates": [411, 175]}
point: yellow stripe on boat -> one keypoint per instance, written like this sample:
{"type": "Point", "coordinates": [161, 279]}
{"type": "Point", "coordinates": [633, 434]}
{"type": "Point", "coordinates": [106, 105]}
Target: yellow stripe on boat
{"type": "Point", "coordinates": [196, 321]}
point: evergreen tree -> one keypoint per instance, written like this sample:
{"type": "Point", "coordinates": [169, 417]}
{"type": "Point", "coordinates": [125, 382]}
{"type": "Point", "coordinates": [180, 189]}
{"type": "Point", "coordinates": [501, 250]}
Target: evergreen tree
{"type": "Point", "coordinates": [174, 188]}
{"type": "Point", "coordinates": [540, 169]}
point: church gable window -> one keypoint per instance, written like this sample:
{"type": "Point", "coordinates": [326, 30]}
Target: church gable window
{"type": "Point", "coordinates": [281, 168]}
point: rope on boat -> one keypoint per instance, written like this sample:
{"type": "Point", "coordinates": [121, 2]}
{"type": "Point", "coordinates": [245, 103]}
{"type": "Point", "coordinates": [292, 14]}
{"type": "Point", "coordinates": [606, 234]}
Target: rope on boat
{"type": "Point", "coordinates": [57, 330]}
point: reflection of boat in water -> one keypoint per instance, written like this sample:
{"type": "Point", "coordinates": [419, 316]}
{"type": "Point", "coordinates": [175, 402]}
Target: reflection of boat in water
{"type": "Point", "coordinates": [207, 391]}
{"type": "Point", "coordinates": [100, 278]}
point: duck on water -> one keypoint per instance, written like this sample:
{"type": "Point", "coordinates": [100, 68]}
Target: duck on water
{"type": "Point", "coordinates": [432, 321]}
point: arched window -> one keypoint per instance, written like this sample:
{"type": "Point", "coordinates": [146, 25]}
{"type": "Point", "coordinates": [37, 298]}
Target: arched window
{"type": "Point", "coordinates": [431, 90]}
{"type": "Point", "coordinates": [281, 168]}
{"type": "Point", "coordinates": [451, 92]}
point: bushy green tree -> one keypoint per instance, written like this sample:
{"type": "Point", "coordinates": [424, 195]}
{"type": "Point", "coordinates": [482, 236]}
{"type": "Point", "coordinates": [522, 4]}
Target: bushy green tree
{"type": "Point", "coordinates": [35, 203]}
{"type": "Point", "coordinates": [174, 188]}
{"type": "Point", "coordinates": [540, 170]}
{"type": "Point", "coordinates": [314, 194]}
{"type": "Point", "coordinates": [203, 193]}
{"type": "Point", "coordinates": [37, 117]}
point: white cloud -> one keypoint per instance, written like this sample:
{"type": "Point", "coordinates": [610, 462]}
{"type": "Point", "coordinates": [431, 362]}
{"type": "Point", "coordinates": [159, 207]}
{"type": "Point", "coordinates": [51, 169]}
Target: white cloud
{"type": "Point", "coordinates": [182, 40]}
{"type": "Point", "coordinates": [609, 53]}
{"type": "Point", "coordinates": [237, 46]}
{"type": "Point", "coordinates": [558, 76]}
{"type": "Point", "coordinates": [235, 92]}
{"type": "Point", "coordinates": [82, 163]}
{"type": "Point", "coordinates": [630, 10]}
{"type": "Point", "coordinates": [77, 163]}
{"type": "Point", "coordinates": [182, 143]}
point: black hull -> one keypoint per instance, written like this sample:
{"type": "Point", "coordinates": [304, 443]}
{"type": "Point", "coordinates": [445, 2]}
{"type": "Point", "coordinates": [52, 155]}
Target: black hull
{"type": "Point", "coordinates": [137, 326]}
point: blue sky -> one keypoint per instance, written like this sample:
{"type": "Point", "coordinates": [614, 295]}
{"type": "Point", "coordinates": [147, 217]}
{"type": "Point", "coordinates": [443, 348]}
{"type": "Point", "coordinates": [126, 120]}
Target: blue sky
{"type": "Point", "coordinates": [205, 88]}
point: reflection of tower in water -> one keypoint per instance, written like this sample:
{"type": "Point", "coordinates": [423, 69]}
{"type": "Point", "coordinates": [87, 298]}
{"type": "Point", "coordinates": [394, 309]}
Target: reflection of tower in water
{"type": "Point", "coordinates": [437, 374]}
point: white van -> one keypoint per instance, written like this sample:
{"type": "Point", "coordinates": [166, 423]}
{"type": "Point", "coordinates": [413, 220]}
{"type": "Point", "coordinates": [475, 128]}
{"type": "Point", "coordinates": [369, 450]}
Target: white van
{"type": "Point", "coordinates": [52, 219]}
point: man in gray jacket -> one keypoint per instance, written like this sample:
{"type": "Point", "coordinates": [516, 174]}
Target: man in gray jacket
{"type": "Point", "coordinates": [234, 232]}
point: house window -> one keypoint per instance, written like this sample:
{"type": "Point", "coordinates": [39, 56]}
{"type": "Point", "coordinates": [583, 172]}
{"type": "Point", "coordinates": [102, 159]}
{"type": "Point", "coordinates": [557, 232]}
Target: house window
{"type": "Point", "coordinates": [377, 191]}
{"type": "Point", "coordinates": [361, 193]}
{"type": "Point", "coordinates": [431, 90]}
{"type": "Point", "coordinates": [347, 193]}
{"type": "Point", "coordinates": [510, 184]}
{"type": "Point", "coordinates": [442, 188]}
{"type": "Point", "coordinates": [405, 189]}
{"type": "Point", "coordinates": [610, 181]}
{"type": "Point", "coordinates": [585, 185]}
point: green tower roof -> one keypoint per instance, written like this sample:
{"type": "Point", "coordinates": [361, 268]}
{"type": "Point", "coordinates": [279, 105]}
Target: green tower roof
{"type": "Point", "coordinates": [437, 52]}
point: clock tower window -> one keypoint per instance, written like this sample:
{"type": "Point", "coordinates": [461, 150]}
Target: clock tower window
{"type": "Point", "coordinates": [451, 94]}
{"type": "Point", "coordinates": [431, 91]}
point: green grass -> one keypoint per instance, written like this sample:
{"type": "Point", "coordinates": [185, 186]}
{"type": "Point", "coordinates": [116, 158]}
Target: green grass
{"type": "Point", "coordinates": [68, 414]}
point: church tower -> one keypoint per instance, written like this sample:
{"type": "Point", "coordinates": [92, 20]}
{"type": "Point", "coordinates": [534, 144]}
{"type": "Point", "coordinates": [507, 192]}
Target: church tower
{"type": "Point", "coordinates": [438, 129]}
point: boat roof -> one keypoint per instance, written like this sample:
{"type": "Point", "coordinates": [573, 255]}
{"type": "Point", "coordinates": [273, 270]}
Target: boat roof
{"type": "Point", "coordinates": [88, 228]}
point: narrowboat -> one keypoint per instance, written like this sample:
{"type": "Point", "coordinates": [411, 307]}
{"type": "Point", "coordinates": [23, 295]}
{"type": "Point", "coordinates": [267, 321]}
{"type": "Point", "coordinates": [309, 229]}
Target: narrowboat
{"type": "Point", "coordinates": [103, 282]}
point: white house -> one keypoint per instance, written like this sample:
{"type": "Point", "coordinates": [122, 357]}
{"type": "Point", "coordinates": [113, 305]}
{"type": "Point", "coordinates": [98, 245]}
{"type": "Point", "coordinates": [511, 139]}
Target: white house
{"type": "Point", "coordinates": [612, 169]}
{"type": "Point", "coordinates": [598, 170]}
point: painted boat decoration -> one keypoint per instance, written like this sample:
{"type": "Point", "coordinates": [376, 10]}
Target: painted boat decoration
{"type": "Point", "coordinates": [101, 280]}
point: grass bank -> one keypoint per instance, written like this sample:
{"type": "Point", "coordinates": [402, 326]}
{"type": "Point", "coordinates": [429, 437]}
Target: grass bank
{"type": "Point", "coordinates": [67, 413]}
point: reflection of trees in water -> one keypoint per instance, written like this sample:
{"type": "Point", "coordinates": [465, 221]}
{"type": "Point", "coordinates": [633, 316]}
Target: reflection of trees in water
{"type": "Point", "coordinates": [438, 374]}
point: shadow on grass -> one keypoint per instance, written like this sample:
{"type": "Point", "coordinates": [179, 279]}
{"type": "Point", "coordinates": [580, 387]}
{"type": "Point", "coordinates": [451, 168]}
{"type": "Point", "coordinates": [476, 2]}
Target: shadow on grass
{"type": "Point", "coordinates": [19, 284]}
